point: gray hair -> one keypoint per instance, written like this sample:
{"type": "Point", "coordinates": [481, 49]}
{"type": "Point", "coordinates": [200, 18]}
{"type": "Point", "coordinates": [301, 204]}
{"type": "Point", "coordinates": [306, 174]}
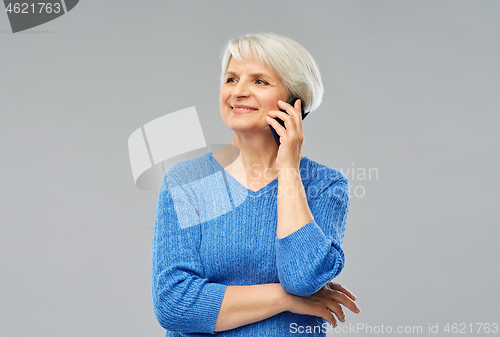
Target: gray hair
{"type": "Point", "coordinates": [289, 59]}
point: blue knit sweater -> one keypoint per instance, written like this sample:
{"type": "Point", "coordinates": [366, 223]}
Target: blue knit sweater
{"type": "Point", "coordinates": [211, 232]}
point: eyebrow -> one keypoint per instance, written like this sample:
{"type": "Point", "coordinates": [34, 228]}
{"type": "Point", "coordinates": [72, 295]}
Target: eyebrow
{"type": "Point", "coordinates": [230, 73]}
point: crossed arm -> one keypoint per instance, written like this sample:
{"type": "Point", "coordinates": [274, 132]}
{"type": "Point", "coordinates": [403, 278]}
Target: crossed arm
{"type": "Point", "coordinates": [248, 304]}
{"type": "Point", "coordinates": [182, 297]}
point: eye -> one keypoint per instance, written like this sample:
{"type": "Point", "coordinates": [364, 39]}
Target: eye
{"type": "Point", "coordinates": [259, 81]}
{"type": "Point", "coordinates": [230, 80]}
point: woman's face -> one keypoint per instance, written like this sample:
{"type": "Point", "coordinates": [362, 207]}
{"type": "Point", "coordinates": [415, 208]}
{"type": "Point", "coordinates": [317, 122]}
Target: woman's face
{"type": "Point", "coordinates": [250, 90]}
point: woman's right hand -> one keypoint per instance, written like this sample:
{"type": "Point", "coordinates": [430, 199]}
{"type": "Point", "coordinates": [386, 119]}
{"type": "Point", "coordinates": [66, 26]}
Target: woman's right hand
{"type": "Point", "coordinates": [324, 303]}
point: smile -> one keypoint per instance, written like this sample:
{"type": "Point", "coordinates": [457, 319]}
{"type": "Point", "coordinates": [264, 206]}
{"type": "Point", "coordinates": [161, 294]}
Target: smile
{"type": "Point", "coordinates": [242, 109]}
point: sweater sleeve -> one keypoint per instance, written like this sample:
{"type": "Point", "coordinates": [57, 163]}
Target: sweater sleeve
{"type": "Point", "coordinates": [312, 255]}
{"type": "Point", "coordinates": [183, 299]}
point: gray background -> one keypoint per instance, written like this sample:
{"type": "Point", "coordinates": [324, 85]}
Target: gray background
{"type": "Point", "coordinates": [411, 89]}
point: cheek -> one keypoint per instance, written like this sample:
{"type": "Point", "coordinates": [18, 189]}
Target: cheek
{"type": "Point", "coordinates": [223, 96]}
{"type": "Point", "coordinates": [272, 101]}
{"type": "Point", "coordinates": [222, 102]}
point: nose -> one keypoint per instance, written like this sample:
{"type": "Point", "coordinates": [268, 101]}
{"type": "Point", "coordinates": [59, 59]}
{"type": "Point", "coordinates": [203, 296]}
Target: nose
{"type": "Point", "coordinates": [240, 90]}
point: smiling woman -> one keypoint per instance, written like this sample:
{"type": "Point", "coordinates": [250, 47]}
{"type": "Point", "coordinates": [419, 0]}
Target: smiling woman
{"type": "Point", "coordinates": [248, 239]}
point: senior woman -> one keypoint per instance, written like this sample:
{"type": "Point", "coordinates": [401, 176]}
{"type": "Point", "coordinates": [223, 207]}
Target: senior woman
{"type": "Point", "coordinates": [247, 239]}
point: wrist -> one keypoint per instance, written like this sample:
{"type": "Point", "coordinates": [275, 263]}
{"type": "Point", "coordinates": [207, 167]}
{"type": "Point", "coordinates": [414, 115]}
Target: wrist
{"type": "Point", "coordinates": [285, 299]}
{"type": "Point", "coordinates": [289, 173]}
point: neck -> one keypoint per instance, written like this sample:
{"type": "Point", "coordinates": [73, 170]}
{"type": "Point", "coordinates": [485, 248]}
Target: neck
{"type": "Point", "coordinates": [257, 152]}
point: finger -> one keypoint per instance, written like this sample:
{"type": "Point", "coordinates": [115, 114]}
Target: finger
{"type": "Point", "coordinates": [280, 114]}
{"type": "Point", "coordinates": [337, 310]}
{"type": "Point", "coordinates": [336, 286]}
{"type": "Point", "coordinates": [298, 105]}
{"type": "Point", "coordinates": [280, 130]}
{"type": "Point", "coordinates": [286, 118]}
{"type": "Point", "coordinates": [291, 110]}
{"type": "Point", "coordinates": [328, 316]}
{"type": "Point", "coordinates": [345, 300]}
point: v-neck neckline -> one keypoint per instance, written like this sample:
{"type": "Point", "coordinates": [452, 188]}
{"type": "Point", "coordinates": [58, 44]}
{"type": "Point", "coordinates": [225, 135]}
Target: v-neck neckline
{"type": "Point", "coordinates": [266, 188]}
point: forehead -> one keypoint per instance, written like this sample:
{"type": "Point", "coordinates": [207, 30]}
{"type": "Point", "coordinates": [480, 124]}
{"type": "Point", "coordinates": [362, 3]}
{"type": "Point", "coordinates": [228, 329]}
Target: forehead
{"type": "Point", "coordinates": [250, 65]}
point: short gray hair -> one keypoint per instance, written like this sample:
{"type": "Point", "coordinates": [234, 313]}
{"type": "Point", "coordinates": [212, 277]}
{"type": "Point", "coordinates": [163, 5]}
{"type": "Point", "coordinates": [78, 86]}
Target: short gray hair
{"type": "Point", "coordinates": [289, 59]}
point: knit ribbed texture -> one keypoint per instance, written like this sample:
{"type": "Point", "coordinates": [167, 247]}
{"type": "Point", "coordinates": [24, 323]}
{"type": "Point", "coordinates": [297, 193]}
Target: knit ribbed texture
{"type": "Point", "coordinates": [212, 232]}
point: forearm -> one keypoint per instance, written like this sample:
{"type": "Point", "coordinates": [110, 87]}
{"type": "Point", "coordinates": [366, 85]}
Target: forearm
{"type": "Point", "coordinates": [293, 209]}
{"type": "Point", "coordinates": [308, 253]}
{"type": "Point", "coordinates": [243, 305]}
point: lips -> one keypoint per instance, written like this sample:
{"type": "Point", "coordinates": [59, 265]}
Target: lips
{"type": "Point", "coordinates": [238, 108]}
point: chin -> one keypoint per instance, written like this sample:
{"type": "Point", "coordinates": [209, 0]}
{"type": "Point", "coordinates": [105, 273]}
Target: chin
{"type": "Point", "coordinates": [241, 128]}
{"type": "Point", "coordinates": [248, 128]}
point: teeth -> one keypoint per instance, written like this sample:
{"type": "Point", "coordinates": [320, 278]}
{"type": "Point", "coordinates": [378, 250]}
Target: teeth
{"type": "Point", "coordinates": [243, 109]}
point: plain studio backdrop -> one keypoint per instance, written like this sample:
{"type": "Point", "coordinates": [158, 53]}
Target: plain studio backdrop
{"type": "Point", "coordinates": [411, 96]}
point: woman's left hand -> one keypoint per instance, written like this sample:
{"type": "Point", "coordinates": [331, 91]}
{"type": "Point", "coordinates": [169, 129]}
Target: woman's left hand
{"type": "Point", "coordinates": [291, 138]}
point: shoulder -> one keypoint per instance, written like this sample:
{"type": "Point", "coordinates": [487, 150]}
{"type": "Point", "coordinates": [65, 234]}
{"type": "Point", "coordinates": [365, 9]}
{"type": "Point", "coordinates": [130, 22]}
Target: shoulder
{"type": "Point", "coordinates": [317, 178]}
